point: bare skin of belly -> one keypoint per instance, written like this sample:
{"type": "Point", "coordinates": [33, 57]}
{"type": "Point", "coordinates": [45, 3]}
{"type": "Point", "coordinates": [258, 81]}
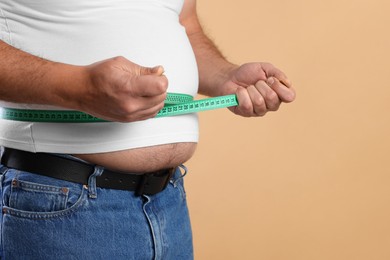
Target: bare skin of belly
{"type": "Point", "coordinates": [143, 160]}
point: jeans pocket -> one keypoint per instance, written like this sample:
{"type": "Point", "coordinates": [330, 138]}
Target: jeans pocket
{"type": "Point", "coordinates": [29, 196]}
{"type": "Point", "coordinates": [34, 196]}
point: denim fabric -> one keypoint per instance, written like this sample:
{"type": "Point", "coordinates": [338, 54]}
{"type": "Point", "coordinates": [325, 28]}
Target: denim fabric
{"type": "Point", "coordinates": [46, 218]}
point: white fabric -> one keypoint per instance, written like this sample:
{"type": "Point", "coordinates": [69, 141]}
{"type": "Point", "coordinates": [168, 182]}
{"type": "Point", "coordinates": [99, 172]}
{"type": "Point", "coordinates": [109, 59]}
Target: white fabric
{"type": "Point", "coordinates": [81, 32]}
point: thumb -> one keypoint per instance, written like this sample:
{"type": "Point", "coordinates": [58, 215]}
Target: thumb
{"type": "Point", "coordinates": [157, 70]}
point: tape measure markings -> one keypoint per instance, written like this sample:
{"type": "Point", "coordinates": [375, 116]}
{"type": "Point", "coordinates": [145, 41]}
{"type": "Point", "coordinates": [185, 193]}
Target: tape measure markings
{"type": "Point", "coordinates": [177, 98]}
{"type": "Point", "coordinates": [198, 105]}
{"type": "Point", "coordinates": [175, 104]}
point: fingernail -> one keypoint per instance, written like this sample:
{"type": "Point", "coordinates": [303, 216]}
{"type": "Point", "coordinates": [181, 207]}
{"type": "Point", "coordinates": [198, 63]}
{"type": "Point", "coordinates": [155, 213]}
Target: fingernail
{"type": "Point", "coordinates": [287, 83]}
{"type": "Point", "coordinates": [158, 70]}
{"type": "Point", "coordinates": [270, 81]}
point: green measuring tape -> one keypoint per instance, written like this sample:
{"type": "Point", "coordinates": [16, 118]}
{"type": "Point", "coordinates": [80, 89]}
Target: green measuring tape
{"type": "Point", "coordinates": [175, 104]}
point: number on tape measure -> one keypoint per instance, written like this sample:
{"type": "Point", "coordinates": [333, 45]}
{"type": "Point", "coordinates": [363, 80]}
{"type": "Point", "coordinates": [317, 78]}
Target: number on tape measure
{"type": "Point", "coordinates": [175, 104]}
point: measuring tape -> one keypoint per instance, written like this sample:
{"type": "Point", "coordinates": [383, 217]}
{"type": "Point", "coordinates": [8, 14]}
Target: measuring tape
{"type": "Point", "coordinates": [175, 104]}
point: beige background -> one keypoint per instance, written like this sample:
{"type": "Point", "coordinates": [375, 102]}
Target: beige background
{"type": "Point", "coordinates": [310, 181]}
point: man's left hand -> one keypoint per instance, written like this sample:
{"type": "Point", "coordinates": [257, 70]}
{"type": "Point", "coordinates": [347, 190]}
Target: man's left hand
{"type": "Point", "coordinates": [260, 87]}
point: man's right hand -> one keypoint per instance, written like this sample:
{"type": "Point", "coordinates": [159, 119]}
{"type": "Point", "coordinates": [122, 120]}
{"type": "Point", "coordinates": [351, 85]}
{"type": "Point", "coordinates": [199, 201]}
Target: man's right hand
{"type": "Point", "coordinates": [120, 90]}
{"type": "Point", "coordinates": [115, 89]}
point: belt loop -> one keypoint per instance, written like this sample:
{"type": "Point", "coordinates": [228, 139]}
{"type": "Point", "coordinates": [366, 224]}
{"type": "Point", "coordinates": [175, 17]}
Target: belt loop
{"type": "Point", "coordinates": [182, 174]}
{"type": "Point", "coordinates": [92, 193]}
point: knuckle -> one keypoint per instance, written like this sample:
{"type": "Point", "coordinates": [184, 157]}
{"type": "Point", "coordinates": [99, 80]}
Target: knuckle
{"type": "Point", "coordinates": [258, 102]}
{"type": "Point", "coordinates": [119, 59]}
{"type": "Point", "coordinates": [162, 84]}
{"type": "Point", "coordinates": [261, 113]}
{"type": "Point", "coordinates": [271, 96]}
{"type": "Point", "coordinates": [128, 108]}
{"type": "Point", "coordinates": [272, 100]}
{"type": "Point", "coordinates": [274, 107]}
{"type": "Point", "coordinates": [246, 107]}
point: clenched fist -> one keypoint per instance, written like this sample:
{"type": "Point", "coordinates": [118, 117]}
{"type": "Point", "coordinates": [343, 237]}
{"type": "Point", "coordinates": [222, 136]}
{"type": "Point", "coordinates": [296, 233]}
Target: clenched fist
{"type": "Point", "coordinates": [120, 90]}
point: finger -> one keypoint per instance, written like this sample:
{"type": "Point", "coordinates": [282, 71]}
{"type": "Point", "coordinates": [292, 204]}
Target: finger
{"type": "Point", "coordinates": [145, 103]}
{"type": "Point", "coordinates": [149, 85]}
{"type": "Point", "coordinates": [272, 71]}
{"type": "Point", "coordinates": [149, 112]}
{"type": "Point", "coordinates": [157, 70]}
{"type": "Point", "coordinates": [271, 98]}
{"type": "Point", "coordinates": [284, 93]}
{"type": "Point", "coordinates": [258, 102]}
{"type": "Point", "coordinates": [138, 111]}
{"type": "Point", "coordinates": [245, 107]}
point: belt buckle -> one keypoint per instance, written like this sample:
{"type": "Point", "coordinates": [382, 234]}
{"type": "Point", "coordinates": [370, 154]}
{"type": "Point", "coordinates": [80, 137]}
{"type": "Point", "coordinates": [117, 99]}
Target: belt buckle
{"type": "Point", "coordinates": [153, 183]}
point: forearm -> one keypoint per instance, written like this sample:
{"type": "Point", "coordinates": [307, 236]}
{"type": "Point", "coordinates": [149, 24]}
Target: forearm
{"type": "Point", "coordinates": [25, 78]}
{"type": "Point", "coordinates": [214, 69]}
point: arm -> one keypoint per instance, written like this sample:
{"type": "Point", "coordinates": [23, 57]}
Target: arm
{"type": "Point", "coordinates": [25, 78]}
{"type": "Point", "coordinates": [260, 87]}
{"type": "Point", "coordinates": [213, 67]}
{"type": "Point", "coordinates": [113, 89]}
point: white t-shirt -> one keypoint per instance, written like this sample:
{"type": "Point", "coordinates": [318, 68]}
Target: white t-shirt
{"type": "Point", "coordinates": [82, 32]}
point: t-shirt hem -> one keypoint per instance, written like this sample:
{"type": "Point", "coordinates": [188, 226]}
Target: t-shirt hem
{"type": "Point", "coordinates": [102, 147]}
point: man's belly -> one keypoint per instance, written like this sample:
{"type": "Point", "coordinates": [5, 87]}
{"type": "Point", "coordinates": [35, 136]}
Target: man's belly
{"type": "Point", "coordinates": [145, 159]}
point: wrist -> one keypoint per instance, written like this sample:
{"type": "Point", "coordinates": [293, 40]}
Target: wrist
{"type": "Point", "coordinates": [225, 74]}
{"type": "Point", "coordinates": [228, 72]}
{"type": "Point", "coordinates": [68, 83]}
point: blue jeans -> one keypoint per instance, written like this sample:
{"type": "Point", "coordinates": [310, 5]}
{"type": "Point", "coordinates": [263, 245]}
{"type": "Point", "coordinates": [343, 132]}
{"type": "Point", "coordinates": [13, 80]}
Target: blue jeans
{"type": "Point", "coordinates": [46, 218]}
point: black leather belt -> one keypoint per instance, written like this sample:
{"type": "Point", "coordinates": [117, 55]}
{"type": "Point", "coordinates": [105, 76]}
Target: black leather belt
{"type": "Point", "coordinates": [79, 172]}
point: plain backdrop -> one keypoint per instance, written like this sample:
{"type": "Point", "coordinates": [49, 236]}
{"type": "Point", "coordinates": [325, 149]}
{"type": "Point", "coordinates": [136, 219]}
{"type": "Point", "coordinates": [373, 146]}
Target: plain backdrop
{"type": "Point", "coordinates": [311, 181]}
